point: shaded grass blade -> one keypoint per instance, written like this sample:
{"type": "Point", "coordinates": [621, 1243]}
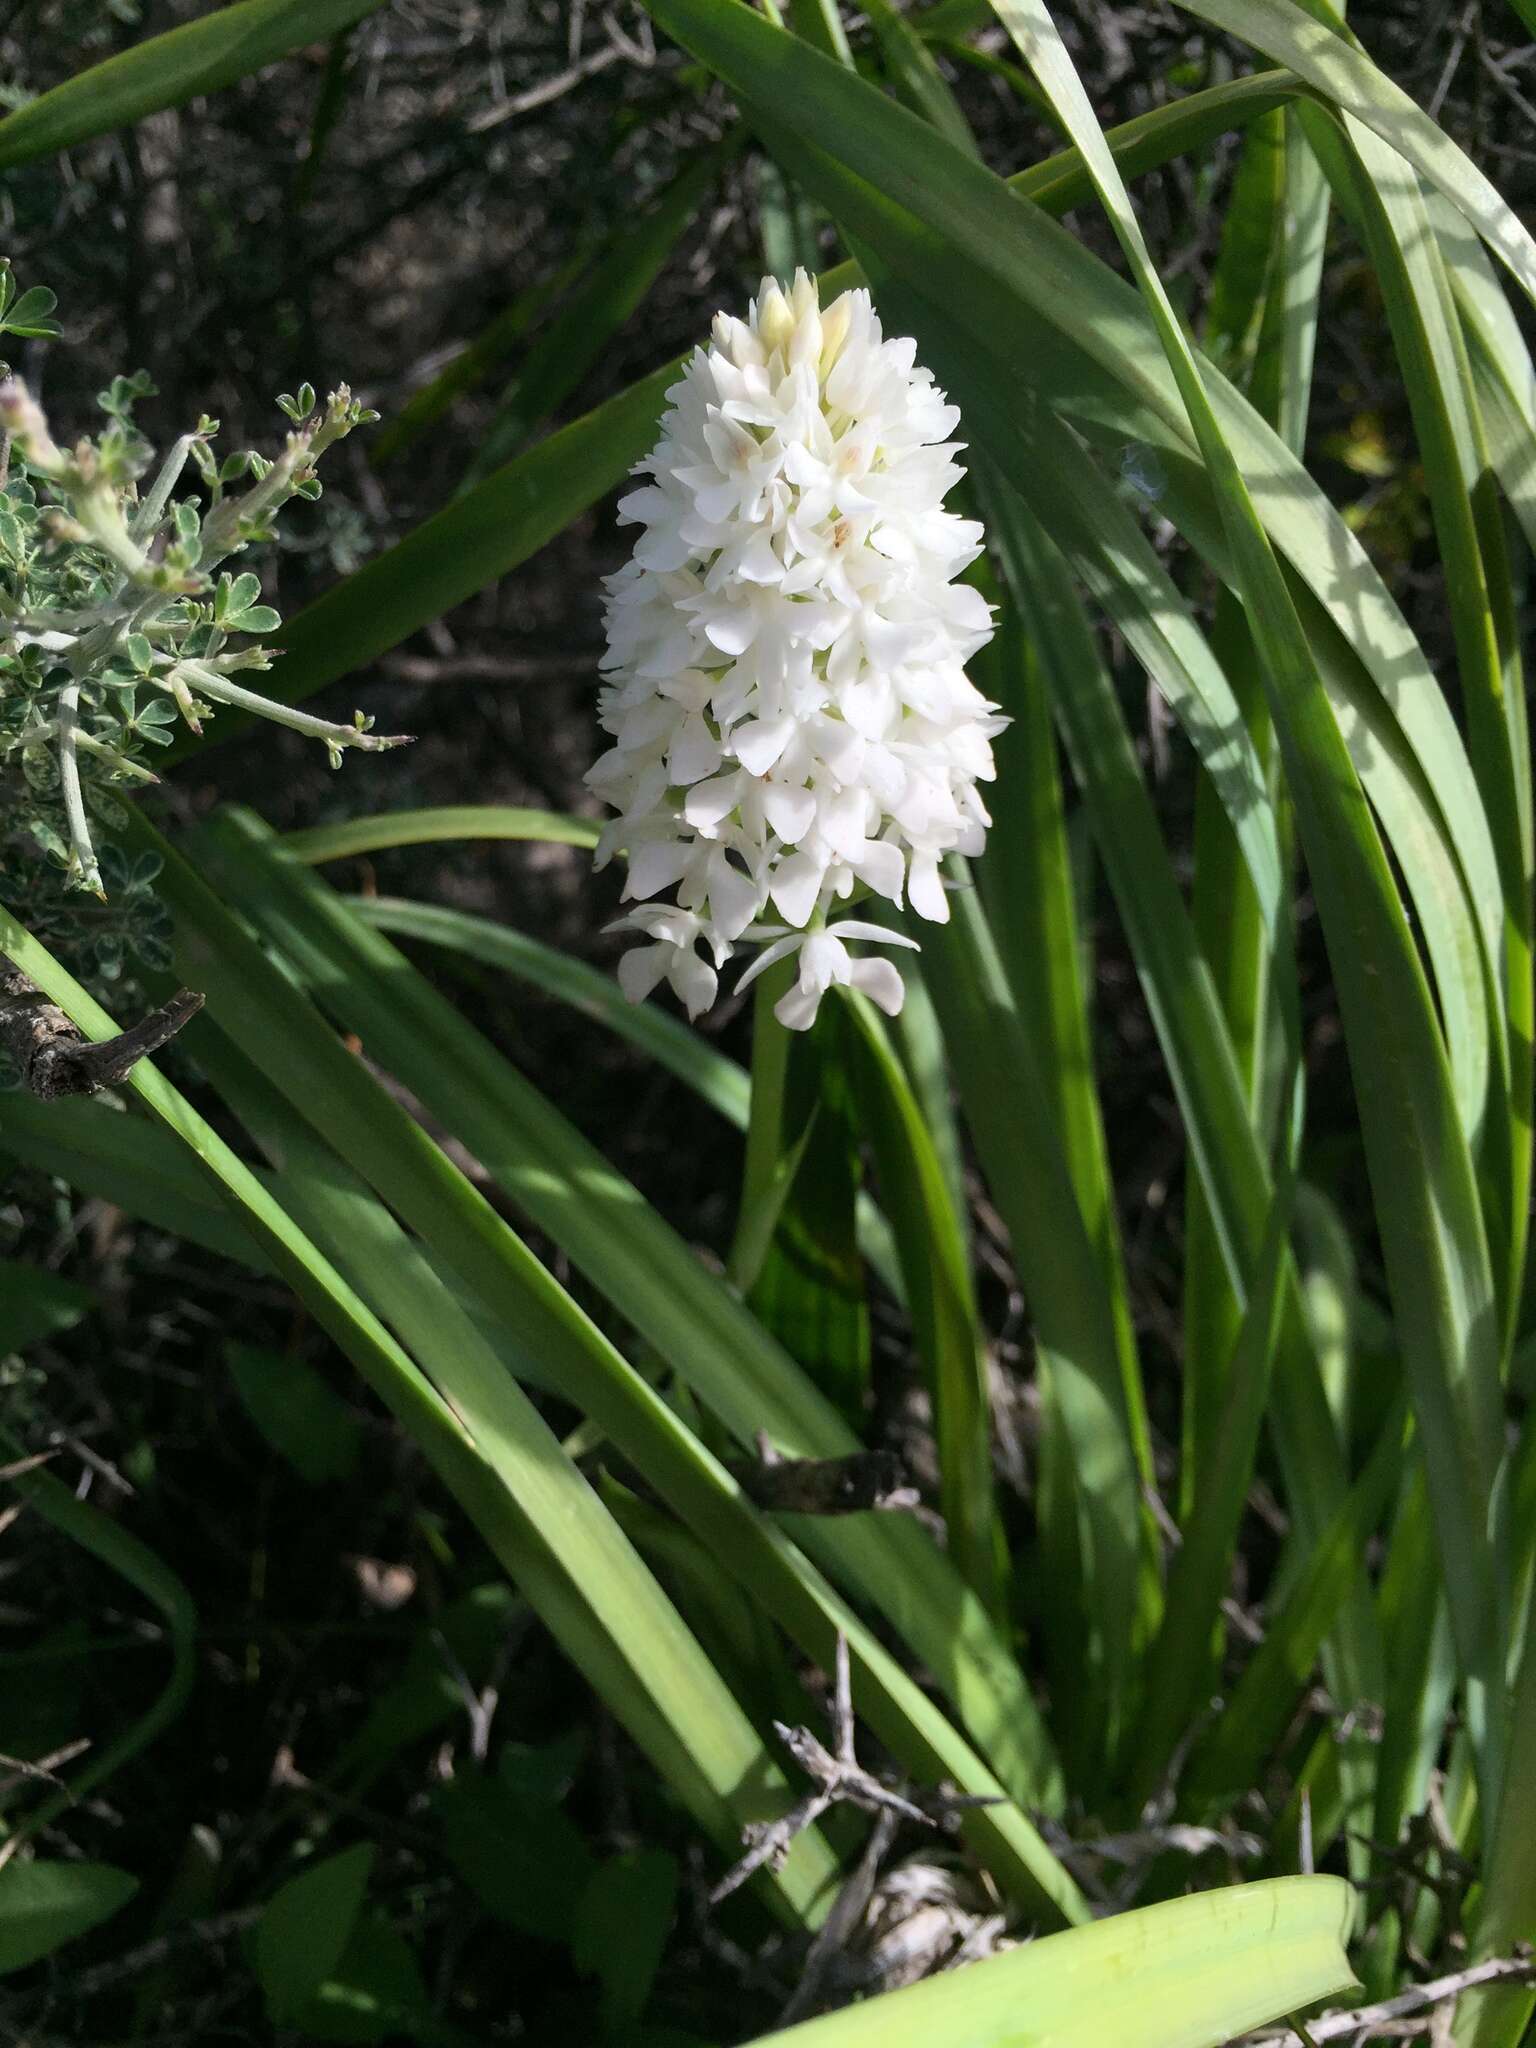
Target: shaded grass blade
{"type": "Point", "coordinates": [345, 838]}
{"type": "Point", "coordinates": [201, 56]}
{"type": "Point", "coordinates": [134, 1561]}
{"type": "Point", "coordinates": [596, 309]}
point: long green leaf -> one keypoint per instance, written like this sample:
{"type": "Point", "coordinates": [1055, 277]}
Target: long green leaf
{"type": "Point", "coordinates": [1194, 1973]}
{"type": "Point", "coordinates": [384, 830]}
{"type": "Point", "coordinates": [130, 1162]}
{"type": "Point", "coordinates": [1389, 208]}
{"type": "Point", "coordinates": [1336, 67]}
{"type": "Point", "coordinates": [1225, 1763]}
{"type": "Point", "coordinates": [473, 363]}
{"type": "Point", "coordinates": [1427, 1200]}
{"type": "Point", "coordinates": [1179, 1662]}
{"type": "Point", "coordinates": [934, 1258]}
{"type": "Point", "coordinates": [201, 56]}
{"type": "Point", "coordinates": [430, 1195]}
{"type": "Point", "coordinates": [518, 1495]}
{"type": "Point", "coordinates": [683, 1052]}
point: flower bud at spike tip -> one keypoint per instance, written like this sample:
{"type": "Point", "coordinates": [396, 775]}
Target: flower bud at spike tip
{"type": "Point", "coordinates": [785, 680]}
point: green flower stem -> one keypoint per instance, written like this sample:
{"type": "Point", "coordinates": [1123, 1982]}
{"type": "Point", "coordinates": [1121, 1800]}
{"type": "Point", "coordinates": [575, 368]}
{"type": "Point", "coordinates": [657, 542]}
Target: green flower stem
{"type": "Point", "coordinates": [763, 1185]}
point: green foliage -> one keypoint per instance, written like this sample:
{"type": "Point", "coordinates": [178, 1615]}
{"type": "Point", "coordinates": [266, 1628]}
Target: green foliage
{"type": "Point", "coordinates": [113, 621]}
{"type": "Point", "coordinates": [1141, 463]}
{"type": "Point", "coordinates": [304, 1930]}
{"type": "Point", "coordinates": [297, 1413]}
{"type": "Point", "coordinates": [43, 1905]}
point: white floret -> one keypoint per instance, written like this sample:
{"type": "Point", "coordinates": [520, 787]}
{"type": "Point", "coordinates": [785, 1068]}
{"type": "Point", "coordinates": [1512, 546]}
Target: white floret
{"type": "Point", "coordinates": [785, 683]}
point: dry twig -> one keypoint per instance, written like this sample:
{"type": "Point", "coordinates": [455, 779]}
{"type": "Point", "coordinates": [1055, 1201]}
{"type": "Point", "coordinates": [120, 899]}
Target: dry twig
{"type": "Point", "coordinates": [1406, 2013]}
{"type": "Point", "coordinates": [839, 1776]}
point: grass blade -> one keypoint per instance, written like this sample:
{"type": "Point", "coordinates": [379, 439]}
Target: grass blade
{"type": "Point", "coordinates": [1335, 66]}
{"type": "Point", "coordinates": [345, 838]}
{"type": "Point", "coordinates": [1193, 1973]}
{"type": "Point", "coordinates": [201, 56]}
{"type": "Point", "coordinates": [1179, 1666]}
{"type": "Point", "coordinates": [472, 365]}
{"type": "Point", "coordinates": [668, 1041]}
{"type": "Point", "coordinates": [638, 1263]}
{"type": "Point", "coordinates": [588, 1616]}
{"type": "Point", "coordinates": [934, 1259]}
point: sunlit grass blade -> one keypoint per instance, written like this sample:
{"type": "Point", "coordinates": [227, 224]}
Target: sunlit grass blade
{"type": "Point", "coordinates": [1431, 1223]}
{"type": "Point", "coordinates": [1333, 63]}
{"type": "Point", "coordinates": [344, 1104]}
{"type": "Point", "coordinates": [650, 1276]}
{"type": "Point", "coordinates": [1261, 323]}
{"type": "Point", "coordinates": [380, 831]}
{"type": "Point", "coordinates": [199, 57]}
{"type": "Point", "coordinates": [1194, 1973]}
{"type": "Point", "coordinates": [517, 1487]}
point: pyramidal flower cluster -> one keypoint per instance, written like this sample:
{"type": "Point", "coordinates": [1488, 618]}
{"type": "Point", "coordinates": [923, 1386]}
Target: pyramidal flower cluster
{"type": "Point", "coordinates": [785, 677]}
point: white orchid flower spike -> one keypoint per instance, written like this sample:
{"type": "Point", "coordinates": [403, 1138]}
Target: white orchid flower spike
{"type": "Point", "coordinates": [785, 688]}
